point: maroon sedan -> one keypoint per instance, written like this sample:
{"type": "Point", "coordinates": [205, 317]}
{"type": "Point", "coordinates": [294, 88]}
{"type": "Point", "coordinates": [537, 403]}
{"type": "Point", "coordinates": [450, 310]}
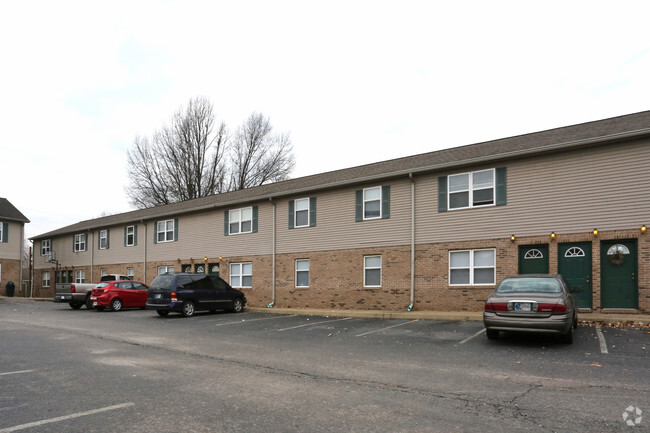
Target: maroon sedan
{"type": "Point", "coordinates": [119, 294]}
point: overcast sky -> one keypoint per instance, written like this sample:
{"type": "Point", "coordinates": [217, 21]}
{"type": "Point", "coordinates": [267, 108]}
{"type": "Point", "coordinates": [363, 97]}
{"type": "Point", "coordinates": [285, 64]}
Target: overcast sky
{"type": "Point", "coordinates": [353, 82]}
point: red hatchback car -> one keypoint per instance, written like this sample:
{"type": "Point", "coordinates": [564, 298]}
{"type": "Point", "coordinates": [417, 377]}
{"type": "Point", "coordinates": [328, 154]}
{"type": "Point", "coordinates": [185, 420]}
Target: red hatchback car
{"type": "Point", "coordinates": [119, 294]}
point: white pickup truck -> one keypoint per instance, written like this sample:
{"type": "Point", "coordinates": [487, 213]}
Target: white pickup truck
{"type": "Point", "coordinates": [78, 294]}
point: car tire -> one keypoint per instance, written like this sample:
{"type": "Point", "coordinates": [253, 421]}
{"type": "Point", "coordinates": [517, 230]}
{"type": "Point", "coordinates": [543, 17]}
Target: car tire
{"type": "Point", "coordinates": [568, 337]}
{"type": "Point", "coordinates": [75, 305]}
{"type": "Point", "coordinates": [99, 308]}
{"type": "Point", "coordinates": [188, 309]}
{"type": "Point", "coordinates": [162, 313]}
{"type": "Point", "coordinates": [237, 305]}
{"type": "Point", "coordinates": [116, 304]}
{"type": "Point", "coordinates": [89, 303]}
{"type": "Point", "coordinates": [492, 334]}
{"type": "Point", "coordinates": [575, 321]}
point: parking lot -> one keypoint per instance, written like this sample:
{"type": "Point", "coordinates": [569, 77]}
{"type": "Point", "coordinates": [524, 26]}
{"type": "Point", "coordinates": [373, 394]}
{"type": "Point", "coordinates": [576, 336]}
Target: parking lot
{"type": "Point", "coordinates": [67, 370]}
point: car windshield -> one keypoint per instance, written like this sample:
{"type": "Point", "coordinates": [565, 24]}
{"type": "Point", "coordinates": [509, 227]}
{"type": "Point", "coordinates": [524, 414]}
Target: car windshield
{"type": "Point", "coordinates": [102, 285]}
{"type": "Point", "coordinates": [162, 282]}
{"type": "Point", "coordinates": [521, 285]}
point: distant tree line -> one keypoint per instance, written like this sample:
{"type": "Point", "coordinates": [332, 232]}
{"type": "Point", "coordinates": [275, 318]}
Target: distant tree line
{"type": "Point", "coordinates": [196, 156]}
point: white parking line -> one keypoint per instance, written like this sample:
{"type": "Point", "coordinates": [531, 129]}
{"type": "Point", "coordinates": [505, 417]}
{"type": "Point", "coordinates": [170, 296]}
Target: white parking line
{"type": "Point", "coordinates": [254, 320]}
{"type": "Point", "coordinates": [64, 418]}
{"type": "Point", "coordinates": [601, 340]}
{"type": "Point", "coordinates": [482, 331]}
{"type": "Point", "coordinates": [16, 372]}
{"type": "Point", "coordinates": [388, 327]}
{"type": "Point", "coordinates": [312, 324]}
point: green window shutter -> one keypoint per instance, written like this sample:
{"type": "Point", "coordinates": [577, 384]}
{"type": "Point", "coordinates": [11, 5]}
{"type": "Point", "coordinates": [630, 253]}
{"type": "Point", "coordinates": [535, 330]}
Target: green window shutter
{"type": "Point", "coordinates": [73, 250]}
{"type": "Point", "coordinates": [385, 202]}
{"type": "Point", "coordinates": [99, 239]}
{"type": "Point", "coordinates": [358, 216]}
{"type": "Point", "coordinates": [226, 223]}
{"type": "Point", "coordinates": [155, 232]}
{"type": "Point", "coordinates": [176, 229]}
{"type": "Point", "coordinates": [85, 237]}
{"type": "Point", "coordinates": [312, 211]}
{"type": "Point", "coordinates": [125, 236]}
{"type": "Point", "coordinates": [5, 233]}
{"type": "Point", "coordinates": [255, 219]}
{"type": "Point", "coordinates": [291, 210]}
{"type": "Point", "coordinates": [501, 191]}
{"type": "Point", "coordinates": [135, 235]}
{"type": "Point", "coordinates": [108, 238]}
{"type": "Point", "coordinates": [442, 194]}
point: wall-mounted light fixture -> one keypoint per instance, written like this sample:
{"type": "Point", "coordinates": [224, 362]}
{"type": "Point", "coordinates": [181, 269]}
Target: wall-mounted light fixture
{"type": "Point", "coordinates": [512, 238]}
{"type": "Point", "coordinates": [595, 232]}
{"type": "Point", "coordinates": [643, 229]}
{"type": "Point", "coordinates": [553, 235]}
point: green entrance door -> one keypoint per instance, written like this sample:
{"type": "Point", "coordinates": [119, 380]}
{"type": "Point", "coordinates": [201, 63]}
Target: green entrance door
{"type": "Point", "coordinates": [533, 259]}
{"type": "Point", "coordinates": [618, 273]}
{"type": "Point", "coordinates": [574, 263]}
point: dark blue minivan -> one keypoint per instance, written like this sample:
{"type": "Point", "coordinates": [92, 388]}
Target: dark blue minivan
{"type": "Point", "coordinates": [187, 293]}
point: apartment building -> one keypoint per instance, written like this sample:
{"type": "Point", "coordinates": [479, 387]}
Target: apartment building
{"type": "Point", "coordinates": [12, 239]}
{"type": "Point", "coordinates": [435, 231]}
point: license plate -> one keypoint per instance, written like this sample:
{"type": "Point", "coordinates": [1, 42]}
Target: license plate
{"type": "Point", "coordinates": [95, 304]}
{"type": "Point", "coordinates": [157, 296]}
{"type": "Point", "coordinates": [522, 306]}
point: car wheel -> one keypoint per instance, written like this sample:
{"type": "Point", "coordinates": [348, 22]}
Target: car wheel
{"type": "Point", "coordinates": [162, 313]}
{"type": "Point", "coordinates": [575, 321]}
{"type": "Point", "coordinates": [75, 305]}
{"type": "Point", "coordinates": [237, 305]}
{"type": "Point", "coordinates": [116, 304]}
{"type": "Point", "coordinates": [99, 308]}
{"type": "Point", "coordinates": [188, 309]}
{"type": "Point", "coordinates": [492, 334]}
{"type": "Point", "coordinates": [89, 304]}
{"type": "Point", "coordinates": [568, 337]}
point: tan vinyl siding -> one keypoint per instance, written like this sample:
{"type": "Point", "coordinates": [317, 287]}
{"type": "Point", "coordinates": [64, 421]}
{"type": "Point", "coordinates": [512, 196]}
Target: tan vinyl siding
{"type": "Point", "coordinates": [336, 227]}
{"type": "Point", "coordinates": [565, 193]}
{"type": "Point", "coordinates": [12, 248]}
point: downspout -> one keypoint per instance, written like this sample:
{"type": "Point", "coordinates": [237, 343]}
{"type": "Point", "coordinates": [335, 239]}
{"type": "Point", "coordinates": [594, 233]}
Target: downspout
{"type": "Point", "coordinates": [412, 241]}
{"type": "Point", "coordinates": [272, 256]}
{"type": "Point", "coordinates": [144, 263]}
{"type": "Point", "coordinates": [92, 254]}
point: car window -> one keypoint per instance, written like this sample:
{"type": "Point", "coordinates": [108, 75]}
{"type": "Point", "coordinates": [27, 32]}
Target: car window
{"type": "Point", "coordinates": [124, 285]}
{"type": "Point", "coordinates": [102, 285]}
{"type": "Point", "coordinates": [521, 285]}
{"type": "Point", "coordinates": [218, 283]}
{"type": "Point", "coordinates": [184, 281]}
{"type": "Point", "coordinates": [162, 281]}
{"type": "Point", "coordinates": [202, 282]}
{"type": "Point", "coordinates": [139, 286]}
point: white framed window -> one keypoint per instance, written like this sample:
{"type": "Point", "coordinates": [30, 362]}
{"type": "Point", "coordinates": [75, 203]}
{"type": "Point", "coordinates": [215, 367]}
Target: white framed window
{"type": "Point", "coordinates": [241, 275]}
{"type": "Point", "coordinates": [472, 267]}
{"type": "Point", "coordinates": [372, 271]}
{"type": "Point", "coordinates": [80, 242]}
{"type": "Point", "coordinates": [468, 190]}
{"type": "Point", "coordinates": [240, 220]}
{"type": "Point", "coordinates": [165, 231]}
{"type": "Point", "coordinates": [103, 272]}
{"type": "Point", "coordinates": [130, 273]}
{"type": "Point", "coordinates": [533, 254]}
{"type": "Point", "coordinates": [372, 203]}
{"type": "Point", "coordinates": [165, 270]}
{"type": "Point", "coordinates": [302, 273]}
{"type": "Point", "coordinates": [129, 236]}
{"type": "Point", "coordinates": [46, 246]}
{"type": "Point", "coordinates": [103, 239]}
{"type": "Point", "coordinates": [80, 277]}
{"type": "Point", "coordinates": [574, 252]}
{"type": "Point", "coordinates": [301, 212]}
{"type": "Point", "coordinates": [46, 279]}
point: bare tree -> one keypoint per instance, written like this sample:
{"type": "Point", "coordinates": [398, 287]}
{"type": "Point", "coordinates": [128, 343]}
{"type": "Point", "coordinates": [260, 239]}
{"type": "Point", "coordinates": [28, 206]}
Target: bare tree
{"type": "Point", "coordinates": [182, 161]}
{"type": "Point", "coordinates": [258, 155]}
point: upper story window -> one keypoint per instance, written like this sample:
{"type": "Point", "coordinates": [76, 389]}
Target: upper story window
{"type": "Point", "coordinates": [103, 240]}
{"type": "Point", "coordinates": [46, 246]}
{"type": "Point", "coordinates": [242, 220]}
{"type": "Point", "coordinates": [302, 212]}
{"type": "Point", "coordinates": [472, 189]}
{"type": "Point", "coordinates": [373, 203]}
{"type": "Point", "coordinates": [130, 236]}
{"type": "Point", "coordinates": [166, 231]}
{"type": "Point", "coordinates": [80, 242]}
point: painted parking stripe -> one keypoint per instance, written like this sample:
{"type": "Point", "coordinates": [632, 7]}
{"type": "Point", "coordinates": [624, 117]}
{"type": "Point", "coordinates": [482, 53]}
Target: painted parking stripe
{"type": "Point", "coordinates": [482, 331]}
{"type": "Point", "coordinates": [65, 417]}
{"type": "Point", "coordinates": [16, 372]}
{"type": "Point", "coordinates": [388, 327]}
{"type": "Point", "coordinates": [312, 324]}
{"type": "Point", "coordinates": [254, 320]}
{"type": "Point", "coordinates": [601, 340]}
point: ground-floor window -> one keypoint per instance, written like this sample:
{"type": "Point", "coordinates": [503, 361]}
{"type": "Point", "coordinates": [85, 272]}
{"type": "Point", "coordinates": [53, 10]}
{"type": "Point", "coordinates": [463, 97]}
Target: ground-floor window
{"type": "Point", "coordinates": [302, 273]}
{"type": "Point", "coordinates": [372, 271]}
{"type": "Point", "coordinates": [472, 267]}
{"type": "Point", "coordinates": [241, 275]}
{"type": "Point", "coordinates": [80, 277]}
{"type": "Point", "coordinates": [165, 270]}
{"type": "Point", "coordinates": [46, 279]}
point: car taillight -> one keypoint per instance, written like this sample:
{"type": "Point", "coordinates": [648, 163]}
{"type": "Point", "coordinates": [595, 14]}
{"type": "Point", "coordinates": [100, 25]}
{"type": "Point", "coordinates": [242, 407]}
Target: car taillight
{"type": "Point", "coordinates": [73, 289]}
{"type": "Point", "coordinates": [496, 306]}
{"type": "Point", "coordinates": [174, 299]}
{"type": "Point", "coordinates": [552, 308]}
